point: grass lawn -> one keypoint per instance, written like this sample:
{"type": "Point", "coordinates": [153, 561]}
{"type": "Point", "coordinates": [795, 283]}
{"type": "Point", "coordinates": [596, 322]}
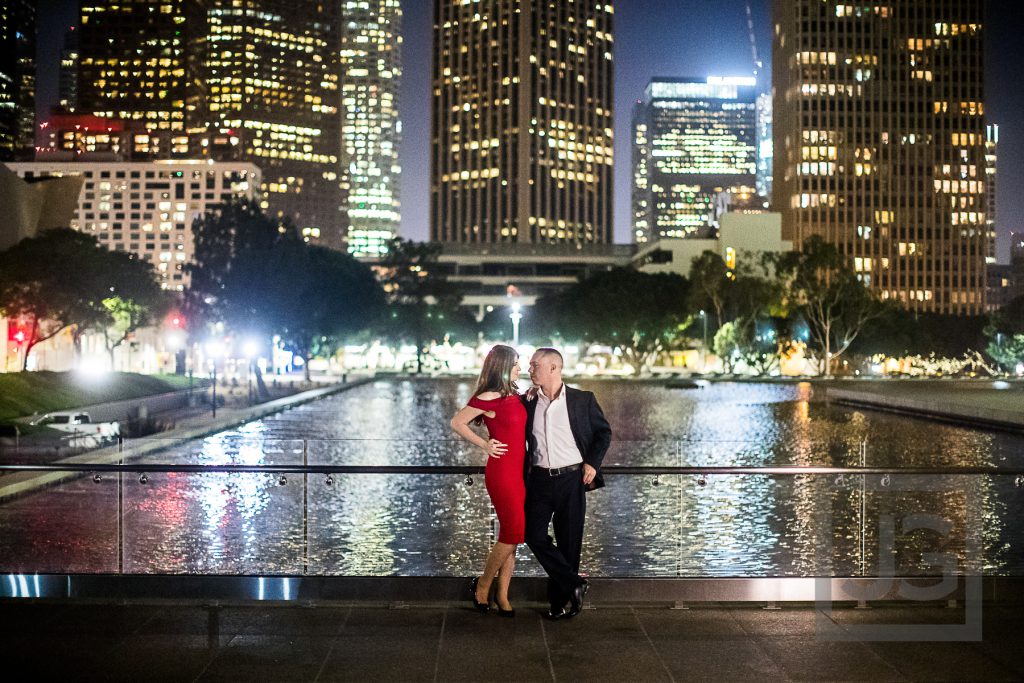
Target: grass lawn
{"type": "Point", "coordinates": [25, 393]}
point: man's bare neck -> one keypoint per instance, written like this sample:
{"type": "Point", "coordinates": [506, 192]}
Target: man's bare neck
{"type": "Point", "coordinates": [553, 391]}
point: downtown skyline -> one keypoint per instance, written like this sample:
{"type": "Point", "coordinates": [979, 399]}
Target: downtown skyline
{"type": "Point", "coordinates": [654, 38]}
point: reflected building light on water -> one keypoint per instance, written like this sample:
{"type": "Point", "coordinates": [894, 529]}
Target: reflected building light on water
{"type": "Point", "coordinates": [732, 514]}
{"type": "Point", "coordinates": [221, 494]}
{"type": "Point", "coordinates": [804, 394]}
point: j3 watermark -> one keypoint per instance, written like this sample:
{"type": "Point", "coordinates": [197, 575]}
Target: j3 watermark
{"type": "Point", "coordinates": [916, 539]}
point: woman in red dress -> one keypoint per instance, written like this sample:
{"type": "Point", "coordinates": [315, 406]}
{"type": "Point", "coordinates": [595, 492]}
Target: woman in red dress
{"type": "Point", "coordinates": [496, 402]}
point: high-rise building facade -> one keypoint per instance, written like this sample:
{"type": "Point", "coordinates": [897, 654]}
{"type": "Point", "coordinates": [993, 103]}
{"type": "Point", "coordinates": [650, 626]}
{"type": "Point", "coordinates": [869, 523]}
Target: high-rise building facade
{"type": "Point", "coordinates": [67, 84]}
{"type": "Point", "coordinates": [17, 79]}
{"type": "Point", "coordinates": [880, 142]}
{"type": "Point", "coordinates": [765, 146]}
{"type": "Point", "coordinates": [144, 62]}
{"type": "Point", "coordinates": [227, 80]}
{"type": "Point", "coordinates": [991, 157]}
{"type": "Point", "coordinates": [693, 139]}
{"type": "Point", "coordinates": [272, 74]}
{"type": "Point", "coordinates": [1017, 248]}
{"type": "Point", "coordinates": [84, 137]}
{"type": "Point", "coordinates": [371, 73]}
{"type": "Point", "coordinates": [147, 208]}
{"type": "Point", "coordinates": [522, 122]}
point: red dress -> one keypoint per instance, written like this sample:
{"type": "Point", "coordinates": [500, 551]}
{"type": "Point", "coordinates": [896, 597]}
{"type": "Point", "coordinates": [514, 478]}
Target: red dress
{"type": "Point", "coordinates": [504, 475]}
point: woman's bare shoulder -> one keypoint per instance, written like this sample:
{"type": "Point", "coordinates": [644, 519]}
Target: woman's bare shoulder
{"type": "Point", "coordinates": [488, 396]}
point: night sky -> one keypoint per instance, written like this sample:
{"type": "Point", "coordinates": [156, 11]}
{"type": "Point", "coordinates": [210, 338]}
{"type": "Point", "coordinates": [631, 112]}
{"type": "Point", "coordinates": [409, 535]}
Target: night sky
{"type": "Point", "coordinates": [652, 38]}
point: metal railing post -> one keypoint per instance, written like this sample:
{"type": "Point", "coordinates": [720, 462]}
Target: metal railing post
{"type": "Point", "coordinates": [863, 509]}
{"type": "Point", "coordinates": [305, 508]}
{"type": "Point", "coordinates": [120, 519]}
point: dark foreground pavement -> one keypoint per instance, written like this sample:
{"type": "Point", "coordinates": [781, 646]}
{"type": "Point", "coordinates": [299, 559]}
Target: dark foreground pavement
{"type": "Point", "coordinates": [72, 641]}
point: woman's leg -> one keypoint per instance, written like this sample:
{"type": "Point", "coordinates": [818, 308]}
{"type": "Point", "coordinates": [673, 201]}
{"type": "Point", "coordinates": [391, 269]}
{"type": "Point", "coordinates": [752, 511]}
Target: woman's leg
{"type": "Point", "coordinates": [496, 559]}
{"type": "Point", "coordinates": [504, 578]}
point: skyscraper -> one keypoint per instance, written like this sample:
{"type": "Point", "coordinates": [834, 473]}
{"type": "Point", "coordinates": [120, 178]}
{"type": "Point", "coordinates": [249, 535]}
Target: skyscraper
{"type": "Point", "coordinates": [148, 207]}
{"type": "Point", "coordinates": [765, 146]}
{"type": "Point", "coordinates": [522, 122]}
{"type": "Point", "coordinates": [991, 156]}
{"type": "Point", "coordinates": [17, 79]}
{"type": "Point", "coordinates": [227, 80]}
{"type": "Point", "coordinates": [371, 72]}
{"type": "Point", "coordinates": [140, 64]}
{"type": "Point", "coordinates": [272, 73]}
{"type": "Point", "coordinates": [693, 139]}
{"type": "Point", "coordinates": [880, 142]}
{"type": "Point", "coordinates": [68, 81]}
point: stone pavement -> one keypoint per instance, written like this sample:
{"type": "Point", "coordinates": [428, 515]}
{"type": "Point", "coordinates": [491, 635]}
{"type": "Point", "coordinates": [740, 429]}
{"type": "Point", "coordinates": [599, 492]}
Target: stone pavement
{"type": "Point", "coordinates": [975, 402]}
{"type": "Point", "coordinates": [450, 641]}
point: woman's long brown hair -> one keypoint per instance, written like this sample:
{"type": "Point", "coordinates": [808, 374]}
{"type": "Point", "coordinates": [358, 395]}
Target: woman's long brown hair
{"type": "Point", "coordinates": [496, 375]}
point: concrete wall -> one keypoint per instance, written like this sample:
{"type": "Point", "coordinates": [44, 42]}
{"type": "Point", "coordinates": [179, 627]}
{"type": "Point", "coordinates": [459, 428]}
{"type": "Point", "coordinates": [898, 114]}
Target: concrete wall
{"type": "Point", "coordinates": [752, 232]}
{"type": "Point", "coordinates": [28, 208]}
{"type": "Point", "coordinates": [742, 232]}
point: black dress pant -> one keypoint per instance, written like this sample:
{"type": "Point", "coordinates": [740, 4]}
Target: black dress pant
{"type": "Point", "coordinates": [561, 502]}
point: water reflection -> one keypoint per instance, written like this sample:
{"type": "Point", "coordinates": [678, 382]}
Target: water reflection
{"type": "Point", "coordinates": [637, 526]}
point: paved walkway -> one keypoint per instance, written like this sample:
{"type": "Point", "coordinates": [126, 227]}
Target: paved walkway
{"type": "Point", "coordinates": [970, 402]}
{"type": "Point", "coordinates": [448, 642]}
{"type": "Point", "coordinates": [194, 427]}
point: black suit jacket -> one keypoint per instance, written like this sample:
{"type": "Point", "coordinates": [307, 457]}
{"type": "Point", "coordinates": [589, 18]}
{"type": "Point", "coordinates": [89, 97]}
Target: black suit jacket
{"type": "Point", "coordinates": [590, 430]}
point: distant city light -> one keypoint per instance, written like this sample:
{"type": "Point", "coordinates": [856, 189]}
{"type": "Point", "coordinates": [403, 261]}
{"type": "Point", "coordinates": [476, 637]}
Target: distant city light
{"type": "Point", "coordinates": [732, 80]}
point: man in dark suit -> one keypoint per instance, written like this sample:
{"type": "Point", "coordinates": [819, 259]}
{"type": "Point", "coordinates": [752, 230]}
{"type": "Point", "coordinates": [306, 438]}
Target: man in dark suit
{"type": "Point", "coordinates": [567, 436]}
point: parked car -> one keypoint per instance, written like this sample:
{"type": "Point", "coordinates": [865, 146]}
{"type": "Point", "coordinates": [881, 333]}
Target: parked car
{"type": "Point", "coordinates": [77, 423]}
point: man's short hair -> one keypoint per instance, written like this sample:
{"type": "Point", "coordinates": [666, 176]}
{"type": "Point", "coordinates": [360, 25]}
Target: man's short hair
{"type": "Point", "coordinates": [547, 351]}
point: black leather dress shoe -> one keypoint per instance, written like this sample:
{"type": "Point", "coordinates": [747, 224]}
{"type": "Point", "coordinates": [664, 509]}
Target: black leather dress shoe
{"type": "Point", "coordinates": [556, 613]}
{"type": "Point", "coordinates": [576, 599]}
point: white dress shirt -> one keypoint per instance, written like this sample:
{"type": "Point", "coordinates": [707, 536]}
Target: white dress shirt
{"type": "Point", "coordinates": [555, 445]}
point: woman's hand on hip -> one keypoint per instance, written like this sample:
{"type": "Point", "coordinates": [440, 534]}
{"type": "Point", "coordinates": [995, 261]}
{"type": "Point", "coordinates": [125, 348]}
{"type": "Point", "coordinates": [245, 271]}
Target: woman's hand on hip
{"type": "Point", "coordinates": [495, 448]}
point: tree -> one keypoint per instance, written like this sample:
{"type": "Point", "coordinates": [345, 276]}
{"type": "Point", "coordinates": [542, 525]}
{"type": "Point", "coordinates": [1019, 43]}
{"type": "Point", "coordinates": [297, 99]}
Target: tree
{"type": "Point", "coordinates": [422, 302]}
{"type": "Point", "coordinates": [758, 343]}
{"type": "Point", "coordinates": [820, 287]}
{"type": "Point", "coordinates": [60, 279]}
{"type": "Point", "coordinates": [338, 296]}
{"type": "Point", "coordinates": [1006, 335]}
{"type": "Point", "coordinates": [726, 346]}
{"type": "Point", "coordinates": [709, 279]}
{"type": "Point", "coordinates": [136, 299]}
{"type": "Point", "coordinates": [247, 270]}
{"type": "Point", "coordinates": [898, 332]}
{"type": "Point", "coordinates": [643, 314]}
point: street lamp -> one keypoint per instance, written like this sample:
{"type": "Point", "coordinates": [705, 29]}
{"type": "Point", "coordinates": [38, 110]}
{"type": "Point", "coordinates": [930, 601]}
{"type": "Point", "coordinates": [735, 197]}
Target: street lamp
{"type": "Point", "coordinates": [215, 350]}
{"type": "Point", "coordinates": [704, 349]}
{"type": "Point", "coordinates": [516, 317]}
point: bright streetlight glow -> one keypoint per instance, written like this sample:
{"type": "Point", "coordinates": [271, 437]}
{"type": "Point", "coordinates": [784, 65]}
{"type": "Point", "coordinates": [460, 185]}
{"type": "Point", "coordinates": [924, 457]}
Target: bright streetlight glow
{"type": "Point", "coordinates": [250, 348]}
{"type": "Point", "coordinates": [516, 317]}
{"type": "Point", "coordinates": [215, 348]}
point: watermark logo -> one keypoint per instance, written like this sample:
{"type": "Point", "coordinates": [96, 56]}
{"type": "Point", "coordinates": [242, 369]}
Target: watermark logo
{"type": "Point", "coordinates": [916, 539]}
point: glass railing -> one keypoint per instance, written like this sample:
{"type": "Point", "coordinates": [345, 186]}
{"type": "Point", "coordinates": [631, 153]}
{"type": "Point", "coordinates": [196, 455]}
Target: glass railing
{"type": "Point", "coordinates": [243, 505]}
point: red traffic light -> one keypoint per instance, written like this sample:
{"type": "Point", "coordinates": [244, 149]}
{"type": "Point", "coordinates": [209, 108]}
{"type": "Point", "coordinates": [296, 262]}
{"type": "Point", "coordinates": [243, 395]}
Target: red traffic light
{"type": "Point", "coordinates": [16, 334]}
{"type": "Point", "coordinates": [176, 320]}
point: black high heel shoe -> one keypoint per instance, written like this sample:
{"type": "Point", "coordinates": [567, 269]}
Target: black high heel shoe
{"type": "Point", "coordinates": [506, 612]}
{"type": "Point", "coordinates": [480, 606]}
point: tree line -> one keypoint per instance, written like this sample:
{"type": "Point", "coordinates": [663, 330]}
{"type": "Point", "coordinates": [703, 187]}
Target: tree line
{"type": "Point", "coordinates": [764, 306]}
{"type": "Point", "coordinates": [253, 276]}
